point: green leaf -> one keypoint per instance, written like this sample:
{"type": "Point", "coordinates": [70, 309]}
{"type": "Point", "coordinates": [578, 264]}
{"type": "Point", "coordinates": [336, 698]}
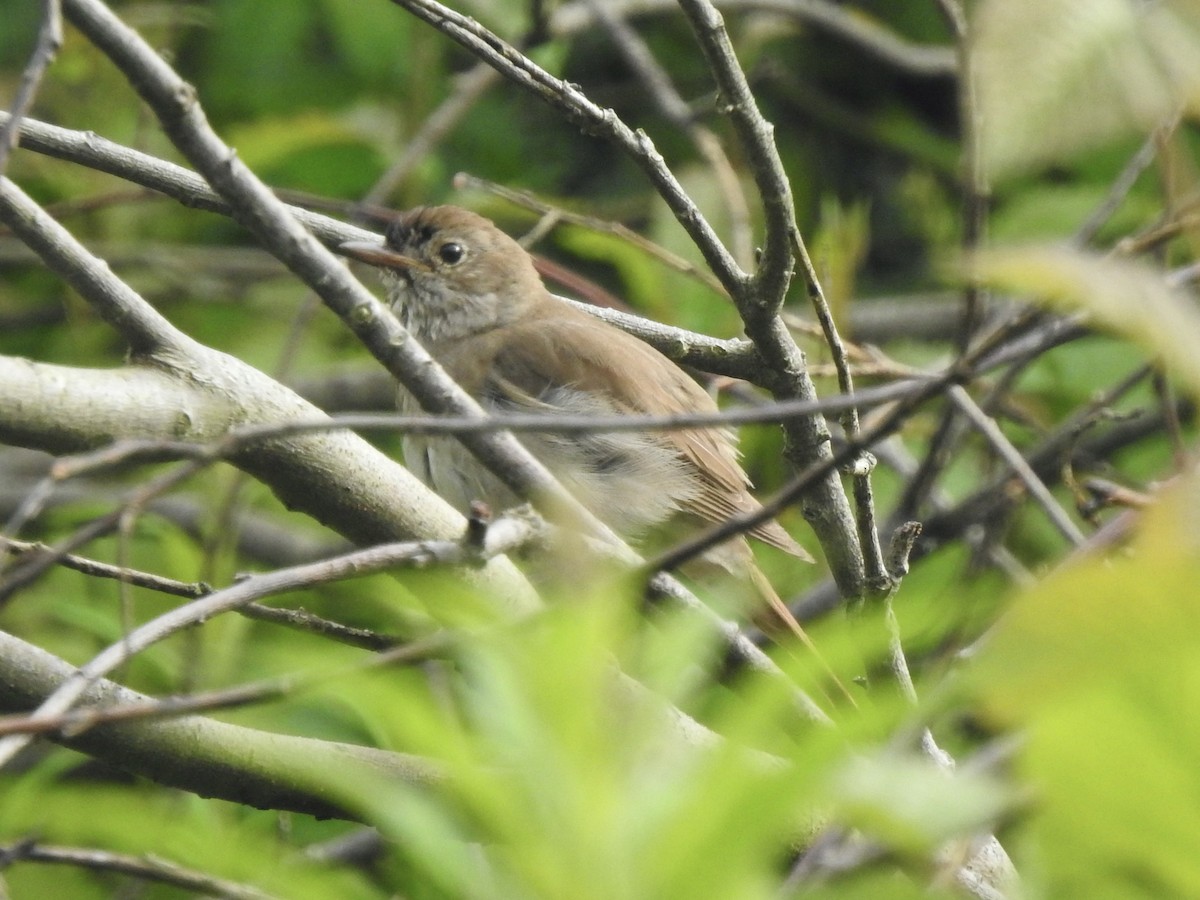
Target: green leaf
{"type": "Point", "coordinates": [312, 151]}
{"type": "Point", "coordinates": [580, 786]}
{"type": "Point", "coordinates": [911, 804]}
{"type": "Point", "coordinates": [1058, 76]}
{"type": "Point", "coordinates": [1100, 665]}
{"type": "Point", "coordinates": [1131, 298]}
{"type": "Point", "coordinates": [201, 834]}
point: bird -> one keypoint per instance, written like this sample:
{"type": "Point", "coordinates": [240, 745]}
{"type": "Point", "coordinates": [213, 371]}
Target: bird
{"type": "Point", "coordinates": [472, 296]}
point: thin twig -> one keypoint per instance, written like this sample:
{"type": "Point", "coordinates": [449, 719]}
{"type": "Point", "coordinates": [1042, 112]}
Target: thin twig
{"type": "Point", "coordinates": [97, 569]}
{"type": "Point", "coordinates": [877, 579]}
{"type": "Point", "coordinates": [468, 88]}
{"type": "Point", "coordinates": [293, 618]}
{"type": "Point", "coordinates": [527, 200]}
{"type": "Point", "coordinates": [903, 540]}
{"type": "Point", "coordinates": [25, 573]}
{"type": "Point", "coordinates": [145, 868]}
{"type": "Point", "coordinates": [1141, 160]}
{"type": "Point", "coordinates": [678, 114]}
{"type": "Point", "coordinates": [357, 563]}
{"type": "Point", "coordinates": [853, 25]}
{"type": "Point", "coordinates": [1036, 487]}
{"type": "Point", "coordinates": [244, 437]}
{"type": "Point", "coordinates": [49, 41]}
{"type": "Point", "coordinates": [75, 722]}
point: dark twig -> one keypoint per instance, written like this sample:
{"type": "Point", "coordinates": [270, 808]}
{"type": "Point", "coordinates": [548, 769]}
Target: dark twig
{"type": "Point", "coordinates": [293, 618]}
{"type": "Point", "coordinates": [145, 868]}
{"type": "Point", "coordinates": [679, 114]}
{"type": "Point", "coordinates": [49, 40]}
{"type": "Point", "coordinates": [1121, 186]}
{"type": "Point", "coordinates": [97, 569]}
{"type": "Point", "coordinates": [361, 562]}
{"type": "Point", "coordinates": [1013, 457]}
{"type": "Point", "coordinates": [851, 25]}
{"type": "Point", "coordinates": [28, 571]}
{"type": "Point", "coordinates": [591, 119]}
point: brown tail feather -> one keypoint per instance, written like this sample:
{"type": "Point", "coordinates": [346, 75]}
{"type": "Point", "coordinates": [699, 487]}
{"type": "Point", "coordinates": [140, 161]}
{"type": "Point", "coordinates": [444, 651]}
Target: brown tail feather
{"type": "Point", "coordinates": [784, 617]}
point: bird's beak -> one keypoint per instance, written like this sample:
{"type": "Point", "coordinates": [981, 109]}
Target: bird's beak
{"type": "Point", "coordinates": [380, 255]}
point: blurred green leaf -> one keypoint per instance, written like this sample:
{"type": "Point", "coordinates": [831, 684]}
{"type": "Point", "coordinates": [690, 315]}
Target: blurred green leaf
{"type": "Point", "coordinates": [1100, 665]}
{"type": "Point", "coordinates": [187, 831]}
{"type": "Point", "coordinates": [581, 784]}
{"type": "Point", "coordinates": [1059, 76]}
{"type": "Point", "coordinates": [911, 804]}
{"type": "Point", "coordinates": [1131, 298]}
{"type": "Point", "coordinates": [312, 151]}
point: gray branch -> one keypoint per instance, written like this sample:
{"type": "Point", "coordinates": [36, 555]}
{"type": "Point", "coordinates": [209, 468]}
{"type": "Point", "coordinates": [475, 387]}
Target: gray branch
{"type": "Point", "coordinates": [206, 757]}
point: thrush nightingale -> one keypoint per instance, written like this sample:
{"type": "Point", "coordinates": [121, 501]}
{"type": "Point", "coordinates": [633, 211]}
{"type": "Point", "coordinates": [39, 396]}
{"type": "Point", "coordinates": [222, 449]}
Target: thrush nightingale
{"type": "Point", "coordinates": [472, 297]}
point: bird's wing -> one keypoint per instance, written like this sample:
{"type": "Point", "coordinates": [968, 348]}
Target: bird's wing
{"type": "Point", "coordinates": [560, 350]}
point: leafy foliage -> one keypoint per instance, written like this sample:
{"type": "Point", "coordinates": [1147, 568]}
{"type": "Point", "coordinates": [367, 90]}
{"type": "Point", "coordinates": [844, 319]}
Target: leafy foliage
{"type": "Point", "coordinates": [597, 748]}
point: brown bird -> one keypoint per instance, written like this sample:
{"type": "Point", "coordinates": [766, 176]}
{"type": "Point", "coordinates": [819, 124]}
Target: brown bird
{"type": "Point", "coordinates": [471, 295]}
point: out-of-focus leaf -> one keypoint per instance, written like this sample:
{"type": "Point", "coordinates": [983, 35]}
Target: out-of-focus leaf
{"type": "Point", "coordinates": [311, 151]}
{"type": "Point", "coordinates": [368, 37]}
{"type": "Point", "coordinates": [1058, 76]}
{"type": "Point", "coordinates": [185, 831]}
{"type": "Point", "coordinates": [838, 251]}
{"type": "Point", "coordinates": [580, 785]}
{"type": "Point", "coordinates": [1131, 298]}
{"type": "Point", "coordinates": [1100, 664]}
{"type": "Point", "coordinates": [911, 804]}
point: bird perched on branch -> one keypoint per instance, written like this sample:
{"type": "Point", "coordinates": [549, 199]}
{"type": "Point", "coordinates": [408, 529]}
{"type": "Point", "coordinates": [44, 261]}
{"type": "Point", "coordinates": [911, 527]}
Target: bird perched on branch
{"type": "Point", "coordinates": [471, 295]}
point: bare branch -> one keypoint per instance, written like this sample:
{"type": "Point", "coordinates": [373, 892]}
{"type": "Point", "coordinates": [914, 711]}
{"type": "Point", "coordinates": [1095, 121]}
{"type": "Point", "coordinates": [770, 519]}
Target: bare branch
{"type": "Point", "coordinates": [877, 581]}
{"type": "Point", "coordinates": [300, 619]}
{"type": "Point", "coordinates": [591, 119]}
{"type": "Point", "coordinates": [761, 297]}
{"type": "Point", "coordinates": [148, 333]}
{"type": "Point", "coordinates": [1025, 472]}
{"type": "Point", "coordinates": [677, 112]}
{"type": "Point", "coordinates": [146, 868]}
{"type": "Point", "coordinates": [852, 25]}
{"type": "Point", "coordinates": [210, 758]}
{"type": "Point", "coordinates": [255, 587]}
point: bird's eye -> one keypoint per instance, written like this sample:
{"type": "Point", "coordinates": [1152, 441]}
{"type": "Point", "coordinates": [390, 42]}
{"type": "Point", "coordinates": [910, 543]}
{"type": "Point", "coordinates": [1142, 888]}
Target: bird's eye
{"type": "Point", "coordinates": [451, 253]}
